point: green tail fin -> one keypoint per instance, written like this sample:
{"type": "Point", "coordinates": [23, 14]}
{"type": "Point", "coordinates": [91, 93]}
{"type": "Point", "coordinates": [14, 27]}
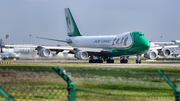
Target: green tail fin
{"type": "Point", "coordinates": [72, 28]}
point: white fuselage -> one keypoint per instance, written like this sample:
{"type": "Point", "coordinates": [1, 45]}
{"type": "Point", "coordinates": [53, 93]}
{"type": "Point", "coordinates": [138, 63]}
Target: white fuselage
{"type": "Point", "coordinates": [122, 40]}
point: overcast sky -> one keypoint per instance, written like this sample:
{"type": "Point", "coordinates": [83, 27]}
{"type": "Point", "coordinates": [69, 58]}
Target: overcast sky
{"type": "Point", "coordinates": [46, 18]}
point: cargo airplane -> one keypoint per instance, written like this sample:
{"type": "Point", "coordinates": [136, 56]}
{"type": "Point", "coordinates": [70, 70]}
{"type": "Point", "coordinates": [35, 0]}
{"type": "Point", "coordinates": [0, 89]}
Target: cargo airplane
{"type": "Point", "coordinates": [99, 48]}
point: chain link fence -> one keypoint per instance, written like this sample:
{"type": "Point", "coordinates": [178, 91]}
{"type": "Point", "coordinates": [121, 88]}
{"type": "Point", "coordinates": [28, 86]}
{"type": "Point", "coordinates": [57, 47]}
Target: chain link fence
{"type": "Point", "coordinates": [34, 84]}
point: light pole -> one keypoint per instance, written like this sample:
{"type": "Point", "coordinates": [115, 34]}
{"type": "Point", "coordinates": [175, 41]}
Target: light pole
{"type": "Point", "coordinates": [7, 40]}
{"type": "Point", "coordinates": [30, 38]}
{"type": "Point", "coordinates": [161, 40]}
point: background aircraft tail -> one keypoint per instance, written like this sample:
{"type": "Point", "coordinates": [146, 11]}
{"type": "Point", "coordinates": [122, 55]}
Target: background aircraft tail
{"type": "Point", "coordinates": [72, 28]}
{"type": "Point", "coordinates": [1, 49]}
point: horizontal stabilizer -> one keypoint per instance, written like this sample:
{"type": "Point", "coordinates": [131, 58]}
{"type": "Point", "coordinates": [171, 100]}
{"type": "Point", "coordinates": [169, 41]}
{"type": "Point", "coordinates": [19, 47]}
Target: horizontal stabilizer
{"type": "Point", "coordinates": [55, 40]}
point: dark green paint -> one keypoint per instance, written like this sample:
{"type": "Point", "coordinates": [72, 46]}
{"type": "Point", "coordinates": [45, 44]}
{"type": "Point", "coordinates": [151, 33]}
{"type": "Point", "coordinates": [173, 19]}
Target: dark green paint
{"type": "Point", "coordinates": [71, 86]}
{"type": "Point", "coordinates": [139, 46]}
{"type": "Point", "coordinates": [6, 95]}
{"type": "Point", "coordinates": [176, 89]}
{"type": "Point", "coordinates": [76, 31]}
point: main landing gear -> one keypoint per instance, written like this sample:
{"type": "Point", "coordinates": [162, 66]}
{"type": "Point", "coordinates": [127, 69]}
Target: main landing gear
{"type": "Point", "coordinates": [100, 60]}
{"type": "Point", "coordinates": [124, 59]}
{"type": "Point", "coordinates": [96, 61]}
{"type": "Point", "coordinates": [109, 60]}
{"type": "Point", "coordinates": [92, 60]}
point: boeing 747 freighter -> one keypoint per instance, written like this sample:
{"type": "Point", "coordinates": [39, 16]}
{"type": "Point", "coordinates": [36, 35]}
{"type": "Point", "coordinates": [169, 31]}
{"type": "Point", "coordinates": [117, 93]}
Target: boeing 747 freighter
{"type": "Point", "coordinates": [100, 48]}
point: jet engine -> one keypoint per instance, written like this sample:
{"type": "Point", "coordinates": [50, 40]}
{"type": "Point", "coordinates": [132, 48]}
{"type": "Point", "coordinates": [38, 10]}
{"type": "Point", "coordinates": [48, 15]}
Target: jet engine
{"type": "Point", "coordinates": [81, 55]}
{"type": "Point", "coordinates": [164, 52]}
{"type": "Point", "coordinates": [150, 55]}
{"type": "Point", "coordinates": [44, 52]}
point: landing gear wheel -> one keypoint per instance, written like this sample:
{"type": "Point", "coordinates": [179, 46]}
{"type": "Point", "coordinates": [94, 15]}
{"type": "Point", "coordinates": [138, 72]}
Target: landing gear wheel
{"type": "Point", "coordinates": [110, 61]}
{"type": "Point", "coordinates": [96, 61]}
{"type": "Point", "coordinates": [124, 61]}
{"type": "Point", "coordinates": [99, 61]}
{"type": "Point", "coordinates": [91, 61]}
{"type": "Point", "coordinates": [138, 61]}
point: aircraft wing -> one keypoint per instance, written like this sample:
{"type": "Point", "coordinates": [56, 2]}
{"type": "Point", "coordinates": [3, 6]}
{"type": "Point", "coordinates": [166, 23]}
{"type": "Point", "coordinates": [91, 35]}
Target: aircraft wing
{"type": "Point", "coordinates": [61, 48]}
{"type": "Point", "coordinates": [160, 47]}
{"type": "Point", "coordinates": [22, 46]}
{"type": "Point", "coordinates": [36, 46]}
{"type": "Point", "coordinates": [95, 50]}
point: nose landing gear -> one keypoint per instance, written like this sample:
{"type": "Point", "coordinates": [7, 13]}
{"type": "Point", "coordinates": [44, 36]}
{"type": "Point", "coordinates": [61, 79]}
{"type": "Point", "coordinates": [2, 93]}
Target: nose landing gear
{"type": "Point", "coordinates": [138, 60]}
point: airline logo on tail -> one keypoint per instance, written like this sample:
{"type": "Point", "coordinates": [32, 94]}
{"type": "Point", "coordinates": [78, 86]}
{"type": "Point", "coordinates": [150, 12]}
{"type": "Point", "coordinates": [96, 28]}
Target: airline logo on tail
{"type": "Point", "coordinates": [70, 28]}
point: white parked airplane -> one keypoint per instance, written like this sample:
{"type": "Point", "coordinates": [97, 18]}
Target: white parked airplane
{"type": "Point", "coordinates": [162, 51]}
{"type": "Point", "coordinates": [99, 48]}
{"type": "Point", "coordinates": [8, 55]}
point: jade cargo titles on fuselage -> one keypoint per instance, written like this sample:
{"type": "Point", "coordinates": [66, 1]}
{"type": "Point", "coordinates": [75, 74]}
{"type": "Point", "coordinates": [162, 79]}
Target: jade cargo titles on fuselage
{"type": "Point", "coordinates": [117, 41]}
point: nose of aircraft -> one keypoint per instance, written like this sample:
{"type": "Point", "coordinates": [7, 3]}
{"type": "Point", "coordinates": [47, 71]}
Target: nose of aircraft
{"type": "Point", "coordinates": [141, 41]}
{"type": "Point", "coordinates": [146, 44]}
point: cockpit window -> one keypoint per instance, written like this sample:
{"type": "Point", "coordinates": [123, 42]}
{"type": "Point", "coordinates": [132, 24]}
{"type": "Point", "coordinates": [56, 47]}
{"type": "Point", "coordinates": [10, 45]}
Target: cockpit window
{"type": "Point", "coordinates": [140, 35]}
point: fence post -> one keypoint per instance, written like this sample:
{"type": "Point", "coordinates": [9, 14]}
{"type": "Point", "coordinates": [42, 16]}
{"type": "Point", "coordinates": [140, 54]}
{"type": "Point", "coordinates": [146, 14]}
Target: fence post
{"type": "Point", "coordinates": [176, 89]}
{"type": "Point", "coordinates": [71, 86]}
{"type": "Point", "coordinates": [6, 95]}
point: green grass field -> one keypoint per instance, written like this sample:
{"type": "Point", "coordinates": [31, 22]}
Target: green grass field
{"type": "Point", "coordinates": [95, 82]}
